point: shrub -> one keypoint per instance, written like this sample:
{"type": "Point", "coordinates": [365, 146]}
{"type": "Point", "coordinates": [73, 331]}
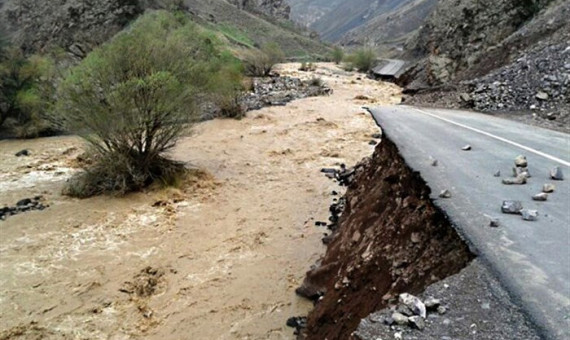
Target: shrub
{"type": "Point", "coordinates": [337, 55]}
{"type": "Point", "coordinates": [227, 87]}
{"type": "Point", "coordinates": [27, 91]}
{"type": "Point", "coordinates": [260, 63]}
{"type": "Point", "coordinates": [316, 81]}
{"type": "Point", "coordinates": [132, 98]}
{"type": "Point", "coordinates": [364, 59]}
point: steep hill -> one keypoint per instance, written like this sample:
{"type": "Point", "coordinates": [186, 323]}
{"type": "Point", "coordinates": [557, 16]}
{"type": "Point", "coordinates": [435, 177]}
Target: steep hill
{"type": "Point", "coordinates": [390, 30]}
{"type": "Point", "coordinates": [307, 12]}
{"type": "Point", "coordinates": [384, 24]}
{"type": "Point", "coordinates": [352, 14]}
{"type": "Point", "coordinates": [77, 26]}
{"type": "Point", "coordinates": [496, 56]}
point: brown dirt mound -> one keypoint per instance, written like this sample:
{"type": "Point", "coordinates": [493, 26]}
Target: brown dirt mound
{"type": "Point", "coordinates": [390, 239]}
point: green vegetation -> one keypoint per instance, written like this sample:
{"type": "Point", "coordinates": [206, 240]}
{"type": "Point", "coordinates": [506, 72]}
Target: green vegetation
{"type": "Point", "coordinates": [362, 60]}
{"type": "Point", "coordinates": [235, 35]}
{"type": "Point", "coordinates": [132, 98]}
{"type": "Point", "coordinates": [27, 86]}
{"type": "Point", "coordinates": [260, 63]}
{"type": "Point", "coordinates": [337, 55]}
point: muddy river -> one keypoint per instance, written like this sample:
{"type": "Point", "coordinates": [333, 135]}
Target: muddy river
{"type": "Point", "coordinates": [218, 258]}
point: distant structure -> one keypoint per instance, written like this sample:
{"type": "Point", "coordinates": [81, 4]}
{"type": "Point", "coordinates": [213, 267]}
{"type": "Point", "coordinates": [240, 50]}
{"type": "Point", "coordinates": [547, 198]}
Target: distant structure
{"type": "Point", "coordinates": [388, 69]}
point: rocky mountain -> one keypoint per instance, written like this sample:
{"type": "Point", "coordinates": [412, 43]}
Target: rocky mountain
{"type": "Point", "coordinates": [495, 56]}
{"type": "Point", "coordinates": [307, 12]}
{"type": "Point", "coordinates": [353, 14]}
{"type": "Point", "coordinates": [274, 8]}
{"type": "Point", "coordinates": [384, 24]}
{"type": "Point", "coordinates": [79, 25]}
{"type": "Point", "coordinates": [388, 31]}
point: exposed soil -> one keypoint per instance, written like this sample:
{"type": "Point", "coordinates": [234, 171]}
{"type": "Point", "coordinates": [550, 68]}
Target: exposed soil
{"type": "Point", "coordinates": [390, 239]}
{"type": "Point", "coordinates": [218, 258]}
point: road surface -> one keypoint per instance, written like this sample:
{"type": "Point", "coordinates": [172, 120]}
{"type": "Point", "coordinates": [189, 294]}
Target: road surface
{"type": "Point", "coordinates": [532, 259]}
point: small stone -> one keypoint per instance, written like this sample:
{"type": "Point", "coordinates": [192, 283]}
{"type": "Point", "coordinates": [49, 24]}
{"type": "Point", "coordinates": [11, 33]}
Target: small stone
{"type": "Point", "coordinates": [399, 318]}
{"type": "Point", "coordinates": [372, 142]}
{"type": "Point", "coordinates": [415, 238]}
{"type": "Point", "coordinates": [529, 215]}
{"type": "Point", "coordinates": [376, 135]}
{"type": "Point", "coordinates": [548, 188]}
{"type": "Point", "coordinates": [556, 174]}
{"type": "Point", "coordinates": [414, 303]}
{"type": "Point", "coordinates": [445, 194]}
{"type": "Point", "coordinates": [542, 95]}
{"type": "Point", "coordinates": [417, 322]}
{"type": "Point", "coordinates": [518, 171]}
{"type": "Point", "coordinates": [432, 303]}
{"type": "Point", "coordinates": [24, 202]}
{"type": "Point", "coordinates": [466, 148]}
{"type": "Point", "coordinates": [494, 223]}
{"type": "Point", "coordinates": [465, 97]}
{"type": "Point", "coordinates": [441, 310]}
{"type": "Point", "coordinates": [297, 322]}
{"type": "Point", "coordinates": [388, 321]}
{"type": "Point", "coordinates": [540, 197]}
{"type": "Point", "coordinates": [519, 180]}
{"type": "Point", "coordinates": [434, 162]}
{"type": "Point", "coordinates": [22, 153]}
{"type": "Point", "coordinates": [398, 336]}
{"type": "Point", "coordinates": [497, 173]}
{"type": "Point", "coordinates": [404, 310]}
{"type": "Point", "coordinates": [511, 207]}
{"type": "Point", "coordinates": [520, 161]}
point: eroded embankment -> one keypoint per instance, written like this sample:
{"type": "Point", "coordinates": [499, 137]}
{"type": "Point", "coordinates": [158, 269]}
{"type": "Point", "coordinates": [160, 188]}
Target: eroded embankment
{"type": "Point", "coordinates": [390, 239]}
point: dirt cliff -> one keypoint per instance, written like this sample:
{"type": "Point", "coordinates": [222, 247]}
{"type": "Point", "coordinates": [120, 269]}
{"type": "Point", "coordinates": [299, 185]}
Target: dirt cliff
{"type": "Point", "coordinates": [390, 239]}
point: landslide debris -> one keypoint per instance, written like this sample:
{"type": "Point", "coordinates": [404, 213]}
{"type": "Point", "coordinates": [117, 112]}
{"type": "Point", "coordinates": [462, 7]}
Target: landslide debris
{"type": "Point", "coordinates": [497, 56]}
{"type": "Point", "coordinates": [389, 239]}
{"type": "Point", "coordinates": [472, 306]}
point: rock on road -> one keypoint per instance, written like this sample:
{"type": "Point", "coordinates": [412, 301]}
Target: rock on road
{"type": "Point", "coordinates": [531, 258]}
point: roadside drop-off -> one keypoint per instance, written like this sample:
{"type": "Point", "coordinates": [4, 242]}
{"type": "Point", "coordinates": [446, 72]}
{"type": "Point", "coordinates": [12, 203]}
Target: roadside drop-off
{"type": "Point", "coordinates": [390, 239]}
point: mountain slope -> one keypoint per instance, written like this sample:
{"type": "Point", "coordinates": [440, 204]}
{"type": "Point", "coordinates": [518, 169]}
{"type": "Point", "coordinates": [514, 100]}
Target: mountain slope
{"type": "Point", "coordinates": [383, 24]}
{"type": "Point", "coordinates": [506, 56]}
{"type": "Point", "coordinates": [77, 27]}
{"type": "Point", "coordinates": [390, 30]}
{"type": "Point", "coordinates": [307, 12]}
{"type": "Point", "coordinates": [351, 14]}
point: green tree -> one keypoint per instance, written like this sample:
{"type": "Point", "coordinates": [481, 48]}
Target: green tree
{"type": "Point", "coordinates": [260, 63]}
{"type": "Point", "coordinates": [132, 98]}
{"type": "Point", "coordinates": [27, 90]}
{"type": "Point", "coordinates": [364, 59]}
{"type": "Point", "coordinates": [337, 55]}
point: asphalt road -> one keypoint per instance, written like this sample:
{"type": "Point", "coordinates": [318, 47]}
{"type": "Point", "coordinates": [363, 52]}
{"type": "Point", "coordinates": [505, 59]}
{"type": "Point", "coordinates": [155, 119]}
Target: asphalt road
{"type": "Point", "coordinates": [532, 259]}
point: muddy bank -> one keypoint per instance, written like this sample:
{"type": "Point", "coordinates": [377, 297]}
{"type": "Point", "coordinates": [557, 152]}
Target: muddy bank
{"type": "Point", "coordinates": [390, 239]}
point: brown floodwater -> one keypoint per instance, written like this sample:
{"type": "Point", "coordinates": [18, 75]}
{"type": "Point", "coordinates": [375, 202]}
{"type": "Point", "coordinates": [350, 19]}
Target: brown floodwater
{"type": "Point", "coordinates": [217, 259]}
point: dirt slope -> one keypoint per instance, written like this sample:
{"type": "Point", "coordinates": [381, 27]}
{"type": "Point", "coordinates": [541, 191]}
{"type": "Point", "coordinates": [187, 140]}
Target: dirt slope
{"type": "Point", "coordinates": [218, 259]}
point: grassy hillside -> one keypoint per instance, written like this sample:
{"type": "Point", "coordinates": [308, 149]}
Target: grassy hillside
{"type": "Point", "coordinates": [247, 30]}
{"type": "Point", "coordinates": [78, 27]}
